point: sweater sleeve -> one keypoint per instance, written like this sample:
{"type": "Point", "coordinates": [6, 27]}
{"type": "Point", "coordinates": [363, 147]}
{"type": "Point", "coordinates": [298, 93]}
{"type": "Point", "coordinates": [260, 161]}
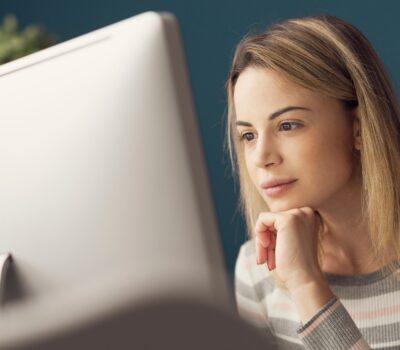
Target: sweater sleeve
{"type": "Point", "coordinates": [332, 328]}
{"type": "Point", "coordinates": [248, 302]}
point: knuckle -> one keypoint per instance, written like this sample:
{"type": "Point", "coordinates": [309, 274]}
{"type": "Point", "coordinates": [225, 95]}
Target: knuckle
{"type": "Point", "coordinates": [308, 210]}
{"type": "Point", "coordinates": [292, 217]}
{"type": "Point", "coordinates": [295, 212]}
{"type": "Point", "coordinates": [259, 220]}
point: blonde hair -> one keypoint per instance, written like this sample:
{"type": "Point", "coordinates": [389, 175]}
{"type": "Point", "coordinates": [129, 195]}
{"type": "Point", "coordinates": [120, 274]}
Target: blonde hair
{"type": "Point", "coordinates": [325, 54]}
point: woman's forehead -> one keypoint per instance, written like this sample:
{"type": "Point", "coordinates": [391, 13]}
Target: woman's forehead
{"type": "Point", "coordinates": [264, 92]}
{"type": "Point", "coordinates": [265, 83]}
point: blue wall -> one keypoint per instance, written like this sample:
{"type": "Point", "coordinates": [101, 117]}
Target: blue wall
{"type": "Point", "coordinates": [210, 31]}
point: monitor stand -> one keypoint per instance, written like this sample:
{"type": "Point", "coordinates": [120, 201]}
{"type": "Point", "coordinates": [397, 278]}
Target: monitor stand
{"type": "Point", "coordinates": [5, 261]}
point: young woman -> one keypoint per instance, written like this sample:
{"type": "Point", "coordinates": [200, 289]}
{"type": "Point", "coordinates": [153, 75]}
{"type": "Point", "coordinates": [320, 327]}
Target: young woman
{"type": "Point", "coordinates": [314, 134]}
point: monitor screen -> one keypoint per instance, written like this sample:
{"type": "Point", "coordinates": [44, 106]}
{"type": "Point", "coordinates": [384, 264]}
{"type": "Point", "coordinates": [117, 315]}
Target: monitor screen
{"type": "Point", "coordinates": [103, 175]}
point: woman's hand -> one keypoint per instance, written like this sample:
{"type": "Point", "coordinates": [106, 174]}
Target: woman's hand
{"type": "Point", "coordinates": [288, 242]}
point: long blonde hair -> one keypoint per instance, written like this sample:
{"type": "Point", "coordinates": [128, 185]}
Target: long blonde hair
{"type": "Point", "coordinates": [325, 54]}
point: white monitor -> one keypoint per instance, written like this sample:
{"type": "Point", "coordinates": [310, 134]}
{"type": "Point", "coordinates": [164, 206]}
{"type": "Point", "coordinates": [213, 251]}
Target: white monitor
{"type": "Point", "coordinates": [104, 193]}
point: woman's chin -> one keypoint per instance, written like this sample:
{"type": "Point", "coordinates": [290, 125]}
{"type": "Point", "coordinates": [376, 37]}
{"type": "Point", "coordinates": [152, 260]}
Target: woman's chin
{"type": "Point", "coordinates": [279, 206]}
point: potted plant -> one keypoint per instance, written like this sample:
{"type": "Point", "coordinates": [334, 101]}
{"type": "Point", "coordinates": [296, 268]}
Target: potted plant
{"type": "Point", "coordinates": [15, 43]}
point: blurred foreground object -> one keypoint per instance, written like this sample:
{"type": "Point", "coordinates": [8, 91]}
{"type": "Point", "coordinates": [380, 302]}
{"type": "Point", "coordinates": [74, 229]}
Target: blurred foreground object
{"type": "Point", "coordinates": [157, 323]}
{"type": "Point", "coordinates": [15, 44]}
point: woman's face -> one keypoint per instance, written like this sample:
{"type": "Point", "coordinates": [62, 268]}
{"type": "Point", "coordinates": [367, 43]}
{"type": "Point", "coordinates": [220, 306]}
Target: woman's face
{"type": "Point", "coordinates": [289, 132]}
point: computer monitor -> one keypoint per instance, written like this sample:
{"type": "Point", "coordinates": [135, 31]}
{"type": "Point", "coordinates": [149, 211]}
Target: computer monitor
{"type": "Point", "coordinates": [104, 193]}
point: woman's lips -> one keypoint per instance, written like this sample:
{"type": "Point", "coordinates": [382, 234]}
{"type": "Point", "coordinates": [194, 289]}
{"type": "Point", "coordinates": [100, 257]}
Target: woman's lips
{"type": "Point", "coordinates": [279, 189]}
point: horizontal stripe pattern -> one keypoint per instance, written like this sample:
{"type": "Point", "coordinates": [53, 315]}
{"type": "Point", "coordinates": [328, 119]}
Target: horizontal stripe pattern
{"type": "Point", "coordinates": [384, 333]}
{"type": "Point", "coordinates": [377, 288]}
{"type": "Point", "coordinates": [365, 314]}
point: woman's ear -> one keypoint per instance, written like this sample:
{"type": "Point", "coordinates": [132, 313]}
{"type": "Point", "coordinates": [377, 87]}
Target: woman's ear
{"type": "Point", "coordinates": [356, 131]}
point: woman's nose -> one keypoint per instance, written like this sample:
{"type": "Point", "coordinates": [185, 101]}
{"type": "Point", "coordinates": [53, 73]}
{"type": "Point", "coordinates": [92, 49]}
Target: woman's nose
{"type": "Point", "coordinates": [266, 152]}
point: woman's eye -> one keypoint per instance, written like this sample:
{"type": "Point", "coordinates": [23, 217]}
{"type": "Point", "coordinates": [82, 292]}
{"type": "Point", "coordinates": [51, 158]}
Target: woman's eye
{"type": "Point", "coordinates": [247, 136]}
{"type": "Point", "coordinates": [286, 125]}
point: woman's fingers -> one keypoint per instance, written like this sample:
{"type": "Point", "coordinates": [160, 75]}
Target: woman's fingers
{"type": "Point", "coordinates": [271, 253]}
{"type": "Point", "coordinates": [265, 241]}
{"type": "Point", "coordinates": [295, 231]}
{"type": "Point", "coordinates": [265, 221]}
{"type": "Point", "coordinates": [264, 238]}
{"type": "Point", "coordinates": [261, 252]}
{"type": "Point", "coordinates": [264, 230]}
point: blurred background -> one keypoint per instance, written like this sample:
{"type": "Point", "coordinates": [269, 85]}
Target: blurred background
{"type": "Point", "coordinates": [210, 31]}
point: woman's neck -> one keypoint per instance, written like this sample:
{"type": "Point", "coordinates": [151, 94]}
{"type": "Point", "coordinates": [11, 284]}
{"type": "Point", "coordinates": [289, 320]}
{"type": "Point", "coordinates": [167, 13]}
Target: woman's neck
{"type": "Point", "coordinates": [346, 244]}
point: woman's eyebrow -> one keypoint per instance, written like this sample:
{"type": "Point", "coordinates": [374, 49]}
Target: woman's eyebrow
{"type": "Point", "coordinates": [275, 114]}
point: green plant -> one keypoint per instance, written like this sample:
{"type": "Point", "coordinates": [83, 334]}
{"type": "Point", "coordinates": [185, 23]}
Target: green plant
{"type": "Point", "coordinates": [15, 44]}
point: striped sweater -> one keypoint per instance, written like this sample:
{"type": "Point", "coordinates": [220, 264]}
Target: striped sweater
{"type": "Point", "coordinates": [364, 314]}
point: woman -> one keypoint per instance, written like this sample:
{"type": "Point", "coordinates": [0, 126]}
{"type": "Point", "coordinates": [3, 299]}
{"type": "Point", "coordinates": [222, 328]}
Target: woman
{"type": "Point", "coordinates": [313, 131]}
